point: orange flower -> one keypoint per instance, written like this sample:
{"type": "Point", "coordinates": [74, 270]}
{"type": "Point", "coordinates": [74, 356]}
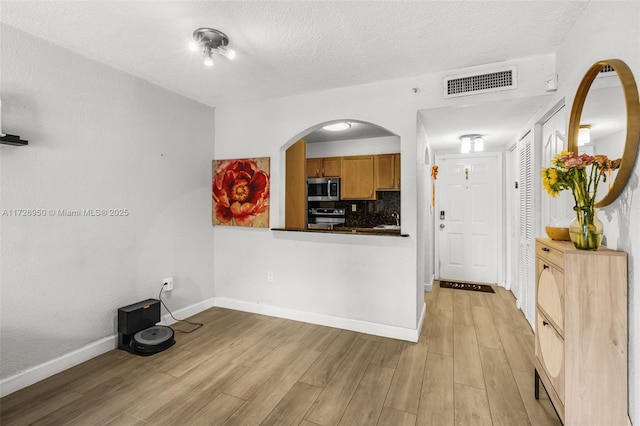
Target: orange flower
{"type": "Point", "coordinates": [240, 191]}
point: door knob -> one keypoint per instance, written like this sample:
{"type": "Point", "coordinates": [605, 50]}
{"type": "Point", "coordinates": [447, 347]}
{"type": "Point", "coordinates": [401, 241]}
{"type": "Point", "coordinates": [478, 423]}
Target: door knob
{"type": "Point", "coordinates": [442, 226]}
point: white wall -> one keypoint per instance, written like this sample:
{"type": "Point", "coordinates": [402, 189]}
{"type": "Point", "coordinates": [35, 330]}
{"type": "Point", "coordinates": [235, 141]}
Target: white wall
{"type": "Point", "coordinates": [425, 247]}
{"type": "Point", "coordinates": [366, 278]}
{"type": "Point", "coordinates": [605, 32]}
{"type": "Point", "coordinates": [372, 279]}
{"type": "Point", "coordinates": [364, 146]}
{"type": "Point", "coordinates": [98, 139]}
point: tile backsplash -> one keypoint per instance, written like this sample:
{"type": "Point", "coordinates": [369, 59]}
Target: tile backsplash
{"type": "Point", "coordinates": [370, 213]}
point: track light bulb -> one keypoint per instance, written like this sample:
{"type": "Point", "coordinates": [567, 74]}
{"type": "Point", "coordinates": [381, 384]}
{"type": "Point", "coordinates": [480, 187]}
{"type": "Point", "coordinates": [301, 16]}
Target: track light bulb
{"type": "Point", "coordinates": [208, 60]}
{"type": "Point", "coordinates": [226, 52]}
{"type": "Point", "coordinates": [193, 46]}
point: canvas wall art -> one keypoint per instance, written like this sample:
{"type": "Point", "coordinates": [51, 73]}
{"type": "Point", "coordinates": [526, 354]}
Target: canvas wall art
{"type": "Point", "coordinates": [240, 192]}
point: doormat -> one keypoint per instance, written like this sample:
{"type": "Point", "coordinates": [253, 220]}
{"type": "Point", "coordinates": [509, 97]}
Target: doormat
{"type": "Point", "coordinates": [466, 286]}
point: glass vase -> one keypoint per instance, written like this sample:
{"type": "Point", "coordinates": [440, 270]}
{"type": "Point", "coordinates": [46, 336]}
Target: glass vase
{"type": "Point", "coordinates": [586, 229]}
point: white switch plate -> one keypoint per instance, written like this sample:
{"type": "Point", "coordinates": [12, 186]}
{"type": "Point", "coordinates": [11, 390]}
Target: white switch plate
{"type": "Point", "coordinates": [270, 277]}
{"type": "Point", "coordinates": [167, 284]}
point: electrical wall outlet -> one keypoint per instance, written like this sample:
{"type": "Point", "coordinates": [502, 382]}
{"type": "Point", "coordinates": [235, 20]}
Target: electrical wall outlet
{"type": "Point", "coordinates": [354, 207]}
{"type": "Point", "coordinates": [167, 284]}
{"type": "Point", "coordinates": [270, 277]}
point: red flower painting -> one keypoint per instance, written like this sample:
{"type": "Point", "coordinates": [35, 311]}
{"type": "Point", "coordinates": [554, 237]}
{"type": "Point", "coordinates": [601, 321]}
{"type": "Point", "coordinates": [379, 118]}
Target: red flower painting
{"type": "Point", "coordinates": [240, 191]}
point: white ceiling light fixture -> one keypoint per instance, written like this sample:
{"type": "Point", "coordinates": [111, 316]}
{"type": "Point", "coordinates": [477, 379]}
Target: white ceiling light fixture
{"type": "Point", "coordinates": [465, 145]}
{"type": "Point", "coordinates": [478, 144]}
{"type": "Point", "coordinates": [584, 134]}
{"type": "Point", "coordinates": [467, 140]}
{"type": "Point", "coordinates": [207, 41]}
{"type": "Point", "coordinates": [337, 127]}
{"type": "Point", "coordinates": [208, 60]}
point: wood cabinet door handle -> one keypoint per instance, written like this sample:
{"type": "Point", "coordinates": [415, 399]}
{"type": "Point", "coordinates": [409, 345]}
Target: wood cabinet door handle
{"type": "Point", "coordinates": [545, 249]}
{"type": "Point", "coordinates": [545, 323]}
{"type": "Point", "coordinates": [545, 266]}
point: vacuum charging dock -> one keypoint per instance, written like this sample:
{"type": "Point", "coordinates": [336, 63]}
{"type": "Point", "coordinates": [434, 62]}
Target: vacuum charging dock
{"type": "Point", "coordinates": [137, 329]}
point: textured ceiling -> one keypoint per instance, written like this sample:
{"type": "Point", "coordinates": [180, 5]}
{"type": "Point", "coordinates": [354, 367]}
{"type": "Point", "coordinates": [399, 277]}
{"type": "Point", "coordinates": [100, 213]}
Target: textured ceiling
{"type": "Point", "coordinates": [291, 47]}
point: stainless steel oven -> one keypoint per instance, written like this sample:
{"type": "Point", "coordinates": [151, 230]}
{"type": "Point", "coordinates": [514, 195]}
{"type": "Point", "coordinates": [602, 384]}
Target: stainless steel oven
{"type": "Point", "coordinates": [325, 218]}
{"type": "Point", "coordinates": [323, 189]}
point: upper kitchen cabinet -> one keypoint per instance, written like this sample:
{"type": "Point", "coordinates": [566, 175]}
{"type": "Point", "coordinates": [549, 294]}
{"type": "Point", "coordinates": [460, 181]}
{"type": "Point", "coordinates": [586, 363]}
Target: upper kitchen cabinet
{"type": "Point", "coordinates": [387, 172]}
{"type": "Point", "coordinates": [324, 167]}
{"type": "Point", "coordinates": [331, 166]}
{"type": "Point", "coordinates": [357, 173]}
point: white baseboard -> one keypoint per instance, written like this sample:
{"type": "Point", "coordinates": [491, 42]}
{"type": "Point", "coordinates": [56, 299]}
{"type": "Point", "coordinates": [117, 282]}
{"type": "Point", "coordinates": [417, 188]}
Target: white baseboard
{"type": "Point", "coordinates": [421, 320]}
{"type": "Point", "coordinates": [366, 327]}
{"type": "Point", "coordinates": [429, 286]}
{"type": "Point", "coordinates": [188, 311]}
{"type": "Point", "coordinates": [55, 366]}
{"type": "Point", "coordinates": [40, 372]}
{"type": "Point", "coordinates": [92, 350]}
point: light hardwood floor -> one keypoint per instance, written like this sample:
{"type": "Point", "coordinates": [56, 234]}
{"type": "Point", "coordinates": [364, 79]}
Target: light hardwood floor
{"type": "Point", "coordinates": [473, 365]}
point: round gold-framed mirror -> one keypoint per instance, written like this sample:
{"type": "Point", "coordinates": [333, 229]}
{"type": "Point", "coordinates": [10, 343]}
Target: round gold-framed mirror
{"type": "Point", "coordinates": [628, 107]}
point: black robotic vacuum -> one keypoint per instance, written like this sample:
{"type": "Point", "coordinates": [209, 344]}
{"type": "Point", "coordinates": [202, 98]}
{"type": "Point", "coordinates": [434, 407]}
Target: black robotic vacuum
{"type": "Point", "coordinates": [137, 329]}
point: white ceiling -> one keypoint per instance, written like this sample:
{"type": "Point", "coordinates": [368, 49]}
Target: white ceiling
{"type": "Point", "coordinates": [498, 122]}
{"type": "Point", "coordinates": [358, 130]}
{"type": "Point", "coordinates": [292, 47]}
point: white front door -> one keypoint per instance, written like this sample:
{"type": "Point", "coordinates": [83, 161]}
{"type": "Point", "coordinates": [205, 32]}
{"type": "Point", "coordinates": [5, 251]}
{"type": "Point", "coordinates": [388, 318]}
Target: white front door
{"type": "Point", "coordinates": [469, 217]}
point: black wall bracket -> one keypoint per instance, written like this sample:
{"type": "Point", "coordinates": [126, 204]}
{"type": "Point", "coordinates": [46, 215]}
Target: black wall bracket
{"type": "Point", "coordinates": [12, 140]}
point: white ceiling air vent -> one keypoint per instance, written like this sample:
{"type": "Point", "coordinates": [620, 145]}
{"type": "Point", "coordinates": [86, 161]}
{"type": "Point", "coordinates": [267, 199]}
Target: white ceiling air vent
{"type": "Point", "coordinates": [484, 82]}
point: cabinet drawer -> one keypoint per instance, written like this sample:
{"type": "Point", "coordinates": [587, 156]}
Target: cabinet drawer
{"type": "Point", "coordinates": [550, 353]}
{"type": "Point", "coordinates": [550, 293]}
{"type": "Point", "coordinates": [550, 254]}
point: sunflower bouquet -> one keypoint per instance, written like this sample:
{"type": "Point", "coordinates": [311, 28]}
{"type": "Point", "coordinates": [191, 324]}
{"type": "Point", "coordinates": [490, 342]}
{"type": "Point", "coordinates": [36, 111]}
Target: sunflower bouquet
{"type": "Point", "coordinates": [581, 174]}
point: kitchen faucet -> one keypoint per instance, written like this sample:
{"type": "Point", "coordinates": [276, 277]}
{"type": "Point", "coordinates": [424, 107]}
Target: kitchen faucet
{"type": "Point", "coordinates": [396, 216]}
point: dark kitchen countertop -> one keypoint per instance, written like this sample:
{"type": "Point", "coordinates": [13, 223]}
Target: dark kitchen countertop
{"type": "Point", "coordinates": [349, 230]}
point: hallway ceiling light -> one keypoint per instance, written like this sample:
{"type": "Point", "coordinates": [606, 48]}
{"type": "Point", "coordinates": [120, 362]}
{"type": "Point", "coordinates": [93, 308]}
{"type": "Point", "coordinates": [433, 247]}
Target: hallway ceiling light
{"type": "Point", "coordinates": [337, 127]}
{"type": "Point", "coordinates": [478, 144]}
{"type": "Point", "coordinates": [207, 41]}
{"type": "Point", "coordinates": [466, 140]}
{"type": "Point", "coordinates": [584, 134]}
{"type": "Point", "coordinates": [465, 146]}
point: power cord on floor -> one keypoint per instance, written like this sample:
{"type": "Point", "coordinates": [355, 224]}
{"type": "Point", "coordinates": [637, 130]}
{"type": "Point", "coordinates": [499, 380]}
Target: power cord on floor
{"type": "Point", "coordinates": [197, 324]}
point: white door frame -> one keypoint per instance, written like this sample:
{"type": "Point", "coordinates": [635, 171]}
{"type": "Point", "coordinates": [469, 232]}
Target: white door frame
{"type": "Point", "coordinates": [512, 239]}
{"type": "Point", "coordinates": [500, 229]}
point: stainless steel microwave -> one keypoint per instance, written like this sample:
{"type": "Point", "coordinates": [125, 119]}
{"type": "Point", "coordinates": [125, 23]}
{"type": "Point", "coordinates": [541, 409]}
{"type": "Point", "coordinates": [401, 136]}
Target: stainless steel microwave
{"type": "Point", "coordinates": [323, 189]}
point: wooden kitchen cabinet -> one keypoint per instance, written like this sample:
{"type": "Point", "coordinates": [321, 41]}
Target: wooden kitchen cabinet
{"type": "Point", "coordinates": [387, 172]}
{"type": "Point", "coordinates": [331, 166]}
{"type": "Point", "coordinates": [357, 178]}
{"type": "Point", "coordinates": [323, 167]}
{"type": "Point", "coordinates": [581, 332]}
{"type": "Point", "coordinates": [314, 167]}
{"type": "Point", "coordinates": [295, 196]}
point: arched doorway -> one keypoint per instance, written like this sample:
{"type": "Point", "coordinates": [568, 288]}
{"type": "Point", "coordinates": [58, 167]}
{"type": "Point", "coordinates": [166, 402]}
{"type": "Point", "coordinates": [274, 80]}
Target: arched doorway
{"type": "Point", "coordinates": [319, 152]}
